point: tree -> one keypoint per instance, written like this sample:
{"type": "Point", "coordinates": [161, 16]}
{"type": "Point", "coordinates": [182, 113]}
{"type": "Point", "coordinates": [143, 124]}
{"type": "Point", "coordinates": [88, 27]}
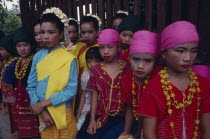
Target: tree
{"type": "Point", "coordinates": [9, 22]}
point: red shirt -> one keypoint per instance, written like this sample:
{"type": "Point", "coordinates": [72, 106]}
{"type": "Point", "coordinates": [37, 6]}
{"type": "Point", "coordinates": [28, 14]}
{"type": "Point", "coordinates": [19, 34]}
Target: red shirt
{"type": "Point", "coordinates": [126, 87]}
{"type": "Point", "coordinates": [153, 104]}
{"type": "Point", "coordinates": [108, 98]}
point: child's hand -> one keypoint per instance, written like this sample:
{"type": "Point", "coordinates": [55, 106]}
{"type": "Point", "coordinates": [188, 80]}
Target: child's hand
{"type": "Point", "coordinates": [125, 135]}
{"type": "Point", "coordinates": [46, 118]}
{"type": "Point", "coordinates": [37, 108]}
{"type": "Point", "coordinates": [92, 127]}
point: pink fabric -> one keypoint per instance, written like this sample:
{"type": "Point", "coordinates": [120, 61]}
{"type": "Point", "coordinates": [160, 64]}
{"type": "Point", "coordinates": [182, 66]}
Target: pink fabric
{"type": "Point", "coordinates": [145, 41]}
{"type": "Point", "coordinates": [202, 70]}
{"type": "Point", "coordinates": [109, 36]}
{"type": "Point", "coordinates": [177, 33]}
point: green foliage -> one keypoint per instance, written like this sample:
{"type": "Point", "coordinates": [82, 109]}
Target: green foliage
{"type": "Point", "coordinates": [11, 23]}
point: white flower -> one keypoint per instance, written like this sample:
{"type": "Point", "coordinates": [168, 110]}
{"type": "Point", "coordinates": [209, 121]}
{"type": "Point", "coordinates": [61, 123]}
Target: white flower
{"type": "Point", "coordinates": [95, 16]}
{"type": "Point", "coordinates": [123, 12]}
{"type": "Point", "coordinates": [58, 13]}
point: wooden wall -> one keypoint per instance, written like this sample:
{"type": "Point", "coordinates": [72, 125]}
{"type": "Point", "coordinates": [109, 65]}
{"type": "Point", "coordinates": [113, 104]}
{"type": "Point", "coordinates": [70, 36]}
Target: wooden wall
{"type": "Point", "coordinates": [154, 14]}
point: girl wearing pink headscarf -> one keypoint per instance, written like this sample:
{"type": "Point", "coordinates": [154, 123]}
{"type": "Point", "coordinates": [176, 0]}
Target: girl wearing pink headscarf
{"type": "Point", "coordinates": [176, 103]}
{"type": "Point", "coordinates": [143, 52]}
{"type": "Point", "coordinates": [106, 116]}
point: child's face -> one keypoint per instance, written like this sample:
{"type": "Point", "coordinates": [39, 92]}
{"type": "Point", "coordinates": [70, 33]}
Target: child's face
{"type": "Point", "coordinates": [4, 53]}
{"type": "Point", "coordinates": [181, 57]}
{"type": "Point", "coordinates": [92, 62]}
{"type": "Point", "coordinates": [73, 33]}
{"type": "Point", "coordinates": [37, 35]}
{"type": "Point", "coordinates": [116, 23]}
{"type": "Point", "coordinates": [108, 52]}
{"type": "Point", "coordinates": [23, 49]}
{"type": "Point", "coordinates": [142, 64]}
{"type": "Point", "coordinates": [88, 33]}
{"type": "Point", "coordinates": [126, 38]}
{"type": "Point", "coordinates": [50, 35]}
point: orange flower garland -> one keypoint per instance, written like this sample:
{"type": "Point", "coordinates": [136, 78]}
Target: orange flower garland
{"type": "Point", "coordinates": [171, 101]}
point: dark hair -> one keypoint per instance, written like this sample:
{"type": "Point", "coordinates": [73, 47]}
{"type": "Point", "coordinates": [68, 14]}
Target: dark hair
{"type": "Point", "coordinates": [52, 18]}
{"type": "Point", "coordinates": [120, 15]}
{"type": "Point", "coordinates": [90, 19]}
{"type": "Point", "coordinates": [93, 53]}
{"type": "Point", "coordinates": [74, 23]}
{"type": "Point", "coordinates": [37, 22]}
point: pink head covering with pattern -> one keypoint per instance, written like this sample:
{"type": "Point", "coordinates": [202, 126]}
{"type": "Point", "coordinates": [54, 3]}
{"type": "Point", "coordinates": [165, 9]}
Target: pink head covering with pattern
{"type": "Point", "coordinates": [109, 36]}
{"type": "Point", "coordinates": [145, 41]}
{"type": "Point", "coordinates": [177, 33]}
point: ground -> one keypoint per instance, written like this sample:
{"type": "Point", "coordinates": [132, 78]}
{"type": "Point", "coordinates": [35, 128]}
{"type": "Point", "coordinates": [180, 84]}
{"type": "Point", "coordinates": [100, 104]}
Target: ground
{"type": "Point", "coordinates": [4, 126]}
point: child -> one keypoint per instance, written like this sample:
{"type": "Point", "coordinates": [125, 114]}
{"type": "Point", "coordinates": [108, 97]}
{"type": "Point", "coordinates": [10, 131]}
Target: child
{"type": "Point", "coordinates": [73, 30]}
{"type": "Point", "coordinates": [37, 36]}
{"type": "Point", "coordinates": [106, 107]}
{"type": "Point", "coordinates": [27, 122]}
{"type": "Point", "coordinates": [176, 102]}
{"type": "Point", "coordinates": [52, 82]}
{"type": "Point", "coordinates": [93, 57]}
{"type": "Point", "coordinates": [143, 53]}
{"type": "Point", "coordinates": [117, 19]}
{"type": "Point", "coordinates": [89, 27]}
{"type": "Point", "coordinates": [126, 29]}
{"type": "Point", "coordinates": [7, 52]}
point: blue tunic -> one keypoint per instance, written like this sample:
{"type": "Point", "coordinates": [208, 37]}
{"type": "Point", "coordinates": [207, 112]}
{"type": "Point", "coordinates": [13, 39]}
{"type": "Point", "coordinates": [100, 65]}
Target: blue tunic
{"type": "Point", "coordinates": [37, 89]}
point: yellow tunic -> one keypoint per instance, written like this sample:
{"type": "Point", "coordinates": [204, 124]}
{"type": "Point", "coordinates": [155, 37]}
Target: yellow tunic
{"type": "Point", "coordinates": [76, 49]}
{"type": "Point", "coordinates": [81, 57]}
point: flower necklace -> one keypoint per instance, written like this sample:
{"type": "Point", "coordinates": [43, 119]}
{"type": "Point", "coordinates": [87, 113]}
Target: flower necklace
{"type": "Point", "coordinates": [171, 101]}
{"type": "Point", "coordinates": [21, 74]}
{"type": "Point", "coordinates": [117, 86]}
{"type": "Point", "coordinates": [6, 65]}
{"type": "Point", "coordinates": [134, 100]}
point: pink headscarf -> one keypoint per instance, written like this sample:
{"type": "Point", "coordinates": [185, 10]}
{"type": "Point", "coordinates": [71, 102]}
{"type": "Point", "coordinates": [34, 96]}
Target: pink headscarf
{"type": "Point", "coordinates": [202, 70]}
{"type": "Point", "coordinates": [177, 33]}
{"type": "Point", "coordinates": [109, 36]}
{"type": "Point", "coordinates": [145, 41]}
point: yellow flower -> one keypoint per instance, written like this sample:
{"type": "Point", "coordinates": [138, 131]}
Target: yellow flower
{"type": "Point", "coordinates": [171, 124]}
{"type": "Point", "coordinates": [169, 111]}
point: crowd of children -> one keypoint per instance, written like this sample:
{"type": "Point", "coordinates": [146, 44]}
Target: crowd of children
{"type": "Point", "coordinates": [74, 81]}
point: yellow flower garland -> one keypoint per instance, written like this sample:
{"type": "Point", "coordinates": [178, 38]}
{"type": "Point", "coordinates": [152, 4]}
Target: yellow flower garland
{"type": "Point", "coordinates": [6, 65]}
{"type": "Point", "coordinates": [21, 74]}
{"type": "Point", "coordinates": [134, 99]}
{"type": "Point", "coordinates": [116, 86]}
{"type": "Point", "coordinates": [171, 101]}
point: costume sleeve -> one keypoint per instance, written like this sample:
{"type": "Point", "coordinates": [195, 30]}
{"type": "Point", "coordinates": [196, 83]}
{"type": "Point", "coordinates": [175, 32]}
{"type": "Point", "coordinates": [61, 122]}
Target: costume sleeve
{"type": "Point", "coordinates": [92, 82]}
{"type": "Point", "coordinates": [205, 103]}
{"type": "Point", "coordinates": [84, 80]}
{"type": "Point", "coordinates": [32, 82]}
{"type": "Point", "coordinates": [147, 106]}
{"type": "Point", "coordinates": [70, 90]}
